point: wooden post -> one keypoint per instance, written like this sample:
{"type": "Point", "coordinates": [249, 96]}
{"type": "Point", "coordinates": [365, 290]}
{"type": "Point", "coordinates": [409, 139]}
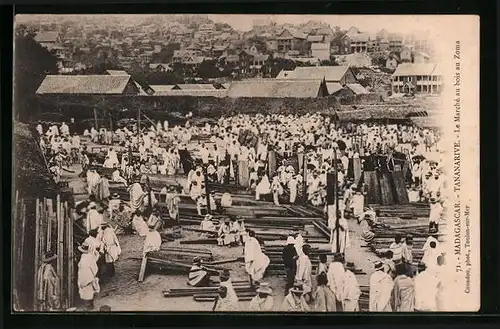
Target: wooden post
{"type": "Point", "coordinates": [138, 121]}
{"type": "Point", "coordinates": [49, 234]}
{"type": "Point", "coordinates": [337, 224]}
{"type": "Point", "coordinates": [110, 121]}
{"type": "Point", "coordinates": [37, 252]}
{"type": "Point", "coordinates": [95, 119]}
{"type": "Point", "coordinates": [60, 245]}
{"type": "Point", "coordinates": [71, 271]}
{"type": "Point", "coordinates": [304, 179]}
{"type": "Point", "coordinates": [207, 192]}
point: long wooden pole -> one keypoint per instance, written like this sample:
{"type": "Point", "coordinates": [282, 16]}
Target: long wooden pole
{"type": "Point", "coordinates": [304, 180]}
{"type": "Point", "coordinates": [138, 121]}
{"type": "Point", "coordinates": [337, 224]}
{"type": "Point", "coordinates": [207, 191]}
{"type": "Point", "coordinates": [60, 244]}
{"type": "Point", "coordinates": [95, 119]}
{"type": "Point", "coordinates": [69, 241]}
{"type": "Point", "coordinates": [37, 251]}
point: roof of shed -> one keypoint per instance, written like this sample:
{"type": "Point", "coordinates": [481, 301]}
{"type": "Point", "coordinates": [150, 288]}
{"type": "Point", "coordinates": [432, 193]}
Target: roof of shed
{"type": "Point", "coordinates": [275, 88]}
{"type": "Point", "coordinates": [84, 84]}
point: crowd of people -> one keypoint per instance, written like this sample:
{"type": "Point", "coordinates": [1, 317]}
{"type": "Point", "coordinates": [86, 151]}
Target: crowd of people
{"type": "Point", "coordinates": [283, 159]}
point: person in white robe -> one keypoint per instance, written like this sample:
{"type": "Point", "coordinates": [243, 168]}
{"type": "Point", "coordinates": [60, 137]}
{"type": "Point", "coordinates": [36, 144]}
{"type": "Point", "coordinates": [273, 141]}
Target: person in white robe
{"type": "Point", "coordinates": [263, 187]}
{"type": "Point", "coordinates": [256, 261]}
{"type": "Point", "coordinates": [276, 189]}
{"type": "Point", "coordinates": [436, 210]}
{"type": "Point", "coordinates": [304, 270]}
{"type": "Point", "coordinates": [224, 236]}
{"type": "Point", "coordinates": [198, 276]}
{"type": "Point", "coordinates": [139, 224]}
{"type": "Point", "coordinates": [223, 302]}
{"type": "Point", "coordinates": [342, 231]}
{"type": "Point", "coordinates": [358, 203]}
{"type": "Point", "coordinates": [431, 254]}
{"type": "Point", "coordinates": [350, 290]}
{"type": "Point", "coordinates": [110, 248]}
{"type": "Point", "coordinates": [94, 243]}
{"type": "Point", "coordinates": [426, 289]}
{"type": "Point", "coordinates": [381, 286]}
{"type": "Point", "coordinates": [136, 196]}
{"type": "Point", "coordinates": [298, 242]}
{"type": "Point", "coordinates": [88, 283]}
{"type": "Point", "coordinates": [292, 186]}
{"type": "Point", "coordinates": [263, 301]}
{"type": "Point", "coordinates": [152, 242]}
{"type": "Point", "coordinates": [335, 276]}
{"type": "Point", "coordinates": [226, 200]}
{"type": "Point", "coordinates": [295, 301]}
{"type": "Point", "coordinates": [94, 218]}
{"type": "Point", "coordinates": [117, 178]}
{"type": "Point", "coordinates": [93, 179]}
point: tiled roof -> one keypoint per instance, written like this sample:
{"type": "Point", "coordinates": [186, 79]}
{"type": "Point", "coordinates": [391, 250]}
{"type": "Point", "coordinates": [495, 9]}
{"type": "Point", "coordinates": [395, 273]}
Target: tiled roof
{"type": "Point", "coordinates": [315, 38]}
{"type": "Point", "coordinates": [329, 73]}
{"type": "Point", "coordinates": [412, 69]}
{"type": "Point", "coordinates": [84, 84]}
{"type": "Point", "coordinates": [275, 88]}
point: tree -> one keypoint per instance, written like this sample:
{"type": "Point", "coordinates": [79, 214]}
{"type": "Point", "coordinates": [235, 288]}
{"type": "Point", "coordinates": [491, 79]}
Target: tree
{"type": "Point", "coordinates": [208, 69]}
{"type": "Point", "coordinates": [32, 63]}
{"type": "Point", "coordinates": [167, 53]}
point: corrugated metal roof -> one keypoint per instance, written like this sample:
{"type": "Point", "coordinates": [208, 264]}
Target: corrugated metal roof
{"type": "Point", "coordinates": [275, 88]}
{"type": "Point", "coordinates": [84, 84]}
{"type": "Point", "coordinates": [161, 88]}
{"type": "Point", "coordinates": [116, 72]}
{"type": "Point", "coordinates": [329, 73]}
{"type": "Point", "coordinates": [333, 87]}
{"type": "Point", "coordinates": [357, 88]}
{"type": "Point", "coordinates": [219, 93]}
{"type": "Point", "coordinates": [412, 69]}
{"type": "Point", "coordinates": [226, 85]}
{"type": "Point", "coordinates": [284, 74]}
{"type": "Point", "coordinates": [196, 86]}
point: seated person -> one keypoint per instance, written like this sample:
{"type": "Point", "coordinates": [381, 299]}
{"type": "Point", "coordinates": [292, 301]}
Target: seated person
{"type": "Point", "coordinates": [198, 276]}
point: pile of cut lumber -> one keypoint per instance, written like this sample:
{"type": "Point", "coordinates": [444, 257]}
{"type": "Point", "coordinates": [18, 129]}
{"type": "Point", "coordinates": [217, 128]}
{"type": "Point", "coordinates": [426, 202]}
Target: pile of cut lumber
{"type": "Point", "coordinates": [405, 211]}
{"type": "Point", "coordinates": [276, 266]}
{"type": "Point", "coordinates": [242, 288]}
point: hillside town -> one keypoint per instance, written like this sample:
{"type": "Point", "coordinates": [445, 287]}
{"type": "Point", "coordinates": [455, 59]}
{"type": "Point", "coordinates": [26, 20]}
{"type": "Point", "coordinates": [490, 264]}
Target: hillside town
{"type": "Point", "coordinates": [173, 163]}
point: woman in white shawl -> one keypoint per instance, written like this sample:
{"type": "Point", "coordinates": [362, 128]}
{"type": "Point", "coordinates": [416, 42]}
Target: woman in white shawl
{"type": "Point", "coordinates": [136, 196]}
{"type": "Point", "coordinates": [88, 283]}
{"type": "Point", "coordinates": [381, 286]}
{"type": "Point", "coordinates": [343, 233]}
{"type": "Point", "coordinates": [256, 261]}
{"type": "Point", "coordinates": [111, 248]}
{"type": "Point", "coordinates": [263, 188]}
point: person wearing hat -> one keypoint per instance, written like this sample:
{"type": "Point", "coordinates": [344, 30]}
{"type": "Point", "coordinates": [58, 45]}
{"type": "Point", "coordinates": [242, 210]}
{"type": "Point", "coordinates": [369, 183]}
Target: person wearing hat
{"type": "Point", "coordinates": [256, 262]}
{"type": "Point", "coordinates": [114, 203]}
{"type": "Point", "coordinates": [381, 286]}
{"type": "Point", "coordinates": [397, 249]}
{"type": "Point", "coordinates": [49, 290]}
{"type": "Point", "coordinates": [88, 283]}
{"type": "Point", "coordinates": [293, 183]}
{"type": "Point", "coordinates": [313, 189]}
{"type": "Point", "coordinates": [172, 200]}
{"type": "Point", "coordinates": [198, 276]}
{"type": "Point", "coordinates": [324, 298]}
{"type": "Point", "coordinates": [236, 230]}
{"type": "Point", "coordinates": [436, 210]}
{"type": "Point", "coordinates": [224, 236]}
{"type": "Point", "coordinates": [426, 289]}
{"type": "Point", "coordinates": [304, 270]}
{"type": "Point", "coordinates": [94, 219]}
{"type": "Point", "coordinates": [340, 231]}
{"type": "Point", "coordinates": [154, 218]}
{"type": "Point", "coordinates": [94, 242]}
{"type": "Point", "coordinates": [404, 290]}
{"type": "Point", "coordinates": [350, 290]}
{"type": "Point", "coordinates": [93, 179]}
{"type": "Point", "coordinates": [223, 303]}
{"type": "Point", "coordinates": [263, 301]}
{"type": "Point", "coordinates": [289, 255]}
{"type": "Point", "coordinates": [294, 301]}
{"type": "Point", "coordinates": [208, 225]}
{"type": "Point", "coordinates": [348, 198]}
{"type": "Point", "coordinates": [111, 249]}
{"type": "Point", "coordinates": [105, 308]}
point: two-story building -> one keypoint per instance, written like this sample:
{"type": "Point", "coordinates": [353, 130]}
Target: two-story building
{"type": "Point", "coordinates": [48, 40]}
{"type": "Point", "coordinates": [359, 43]}
{"type": "Point", "coordinates": [418, 78]}
{"type": "Point", "coordinates": [320, 51]}
{"type": "Point", "coordinates": [291, 39]}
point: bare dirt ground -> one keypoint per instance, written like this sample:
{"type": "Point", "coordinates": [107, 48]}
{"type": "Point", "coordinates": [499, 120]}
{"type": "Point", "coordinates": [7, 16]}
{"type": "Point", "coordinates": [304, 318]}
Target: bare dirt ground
{"type": "Point", "coordinates": [125, 293]}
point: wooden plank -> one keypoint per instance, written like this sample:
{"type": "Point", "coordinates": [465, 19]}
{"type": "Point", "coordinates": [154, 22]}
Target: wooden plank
{"type": "Point", "coordinates": [71, 259]}
{"type": "Point", "coordinates": [60, 245]}
{"type": "Point", "coordinates": [37, 252]}
{"type": "Point", "coordinates": [142, 271]}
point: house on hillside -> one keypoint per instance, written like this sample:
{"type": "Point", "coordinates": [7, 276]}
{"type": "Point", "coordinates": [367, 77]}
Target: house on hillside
{"type": "Point", "coordinates": [272, 44]}
{"type": "Point", "coordinates": [49, 39]}
{"type": "Point", "coordinates": [291, 39]}
{"type": "Point", "coordinates": [275, 88]}
{"type": "Point", "coordinates": [419, 78]}
{"type": "Point", "coordinates": [406, 55]}
{"type": "Point", "coordinates": [88, 85]}
{"type": "Point", "coordinates": [359, 42]}
{"type": "Point", "coordinates": [160, 67]}
{"type": "Point", "coordinates": [392, 62]}
{"type": "Point", "coordinates": [335, 77]}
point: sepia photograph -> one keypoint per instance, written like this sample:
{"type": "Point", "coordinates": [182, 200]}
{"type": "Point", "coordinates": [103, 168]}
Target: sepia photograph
{"type": "Point", "coordinates": [245, 163]}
